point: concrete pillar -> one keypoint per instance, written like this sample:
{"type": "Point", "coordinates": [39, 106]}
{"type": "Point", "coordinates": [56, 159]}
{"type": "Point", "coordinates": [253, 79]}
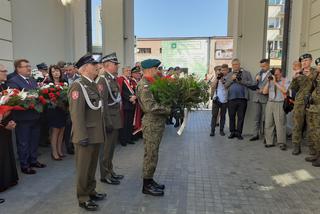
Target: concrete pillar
{"type": "Point", "coordinates": [129, 38]}
{"type": "Point", "coordinates": [113, 28]}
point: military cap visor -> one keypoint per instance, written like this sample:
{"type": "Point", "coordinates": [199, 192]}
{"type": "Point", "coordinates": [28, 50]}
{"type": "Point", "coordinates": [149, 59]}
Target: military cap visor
{"type": "Point", "coordinates": [135, 69]}
{"type": "Point", "coordinates": [86, 59]}
{"type": "Point", "coordinates": [305, 56]}
{"type": "Point", "coordinates": [317, 61]}
{"type": "Point", "coordinates": [150, 63]}
{"type": "Point", "coordinates": [42, 66]}
{"type": "Point", "coordinates": [110, 58]}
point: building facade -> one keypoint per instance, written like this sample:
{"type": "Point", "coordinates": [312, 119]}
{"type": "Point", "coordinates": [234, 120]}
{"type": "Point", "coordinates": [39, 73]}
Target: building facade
{"type": "Point", "coordinates": [49, 31]}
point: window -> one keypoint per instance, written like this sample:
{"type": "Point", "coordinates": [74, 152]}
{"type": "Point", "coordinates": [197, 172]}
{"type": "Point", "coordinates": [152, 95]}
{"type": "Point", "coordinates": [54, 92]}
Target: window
{"type": "Point", "coordinates": [144, 50]}
{"type": "Point", "coordinates": [94, 26]}
{"type": "Point", "coordinates": [276, 2]}
{"type": "Point", "coordinates": [274, 23]}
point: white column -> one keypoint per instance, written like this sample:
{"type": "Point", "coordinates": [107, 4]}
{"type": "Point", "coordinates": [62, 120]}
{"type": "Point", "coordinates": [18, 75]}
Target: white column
{"type": "Point", "coordinates": [6, 47]}
{"type": "Point", "coordinates": [113, 28]}
{"type": "Point", "coordinates": [129, 38]}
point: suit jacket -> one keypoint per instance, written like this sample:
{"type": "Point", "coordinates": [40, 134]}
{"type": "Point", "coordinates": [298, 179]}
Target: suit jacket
{"type": "Point", "coordinates": [258, 97]}
{"type": "Point", "coordinates": [87, 124]}
{"type": "Point", "coordinates": [20, 83]}
{"type": "Point", "coordinates": [13, 74]}
{"type": "Point", "coordinates": [126, 93]}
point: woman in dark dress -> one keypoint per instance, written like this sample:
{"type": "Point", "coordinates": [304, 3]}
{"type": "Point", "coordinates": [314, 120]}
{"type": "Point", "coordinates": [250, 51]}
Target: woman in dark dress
{"type": "Point", "coordinates": [56, 117]}
{"type": "Point", "coordinates": [8, 169]}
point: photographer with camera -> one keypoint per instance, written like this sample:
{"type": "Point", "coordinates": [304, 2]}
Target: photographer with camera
{"type": "Point", "coordinates": [301, 84]}
{"type": "Point", "coordinates": [275, 117]}
{"type": "Point", "coordinates": [259, 99]}
{"type": "Point", "coordinates": [219, 99]}
{"type": "Point", "coordinates": [313, 118]}
{"type": "Point", "coordinates": [237, 82]}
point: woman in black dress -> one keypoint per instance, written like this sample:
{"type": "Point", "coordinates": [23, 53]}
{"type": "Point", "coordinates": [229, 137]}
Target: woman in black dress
{"type": "Point", "coordinates": [56, 117]}
{"type": "Point", "coordinates": [8, 169]}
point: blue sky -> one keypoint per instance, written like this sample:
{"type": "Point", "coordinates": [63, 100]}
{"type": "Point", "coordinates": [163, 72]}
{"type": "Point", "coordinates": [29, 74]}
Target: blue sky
{"type": "Point", "coordinates": [172, 18]}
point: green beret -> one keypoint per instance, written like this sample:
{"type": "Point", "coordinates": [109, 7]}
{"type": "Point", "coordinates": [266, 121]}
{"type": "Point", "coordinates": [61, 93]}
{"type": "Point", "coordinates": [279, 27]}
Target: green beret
{"type": "Point", "coordinates": [150, 63]}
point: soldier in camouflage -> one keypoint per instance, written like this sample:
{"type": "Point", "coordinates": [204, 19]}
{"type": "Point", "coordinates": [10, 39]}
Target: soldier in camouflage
{"type": "Point", "coordinates": [301, 84]}
{"type": "Point", "coordinates": [153, 125]}
{"type": "Point", "coordinates": [313, 118]}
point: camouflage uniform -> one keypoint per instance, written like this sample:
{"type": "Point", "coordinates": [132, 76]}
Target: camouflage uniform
{"type": "Point", "coordinates": [302, 85]}
{"type": "Point", "coordinates": [313, 118]}
{"type": "Point", "coordinates": [153, 124]}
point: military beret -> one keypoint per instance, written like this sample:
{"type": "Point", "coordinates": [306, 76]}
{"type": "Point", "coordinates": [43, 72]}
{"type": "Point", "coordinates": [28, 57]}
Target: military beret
{"type": "Point", "coordinates": [42, 66]}
{"type": "Point", "coordinates": [305, 56]}
{"type": "Point", "coordinates": [110, 58]}
{"type": "Point", "coordinates": [150, 63]}
{"type": "Point", "coordinates": [86, 59]}
{"type": "Point", "coordinates": [317, 61]}
{"type": "Point", "coordinates": [135, 69]}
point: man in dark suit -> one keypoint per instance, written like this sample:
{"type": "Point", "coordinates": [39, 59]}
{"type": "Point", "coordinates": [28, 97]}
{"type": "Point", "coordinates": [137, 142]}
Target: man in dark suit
{"type": "Point", "coordinates": [128, 106]}
{"type": "Point", "coordinates": [28, 128]}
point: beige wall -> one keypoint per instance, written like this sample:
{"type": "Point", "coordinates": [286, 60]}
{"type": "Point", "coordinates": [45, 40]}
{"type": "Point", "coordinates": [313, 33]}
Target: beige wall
{"type": "Point", "coordinates": [155, 46]}
{"type": "Point", "coordinates": [6, 47]}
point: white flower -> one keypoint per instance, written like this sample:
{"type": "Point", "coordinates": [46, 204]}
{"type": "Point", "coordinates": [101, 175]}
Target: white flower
{"type": "Point", "coordinates": [51, 84]}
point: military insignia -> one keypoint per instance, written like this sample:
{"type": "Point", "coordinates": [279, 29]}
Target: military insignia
{"type": "Point", "coordinates": [100, 87]}
{"type": "Point", "coordinates": [75, 95]}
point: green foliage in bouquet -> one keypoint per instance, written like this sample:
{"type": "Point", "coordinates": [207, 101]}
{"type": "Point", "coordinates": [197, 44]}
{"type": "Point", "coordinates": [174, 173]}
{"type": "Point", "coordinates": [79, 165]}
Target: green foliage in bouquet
{"type": "Point", "coordinates": [187, 92]}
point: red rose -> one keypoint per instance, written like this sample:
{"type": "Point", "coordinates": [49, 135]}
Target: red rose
{"type": "Point", "coordinates": [52, 89]}
{"type": "Point", "coordinates": [53, 99]}
{"type": "Point", "coordinates": [31, 106]}
{"type": "Point", "coordinates": [58, 88]}
{"type": "Point", "coordinates": [51, 95]}
{"type": "Point", "coordinates": [61, 84]}
{"type": "Point", "coordinates": [45, 91]}
{"type": "Point", "coordinates": [42, 100]}
{"type": "Point", "coordinates": [58, 93]}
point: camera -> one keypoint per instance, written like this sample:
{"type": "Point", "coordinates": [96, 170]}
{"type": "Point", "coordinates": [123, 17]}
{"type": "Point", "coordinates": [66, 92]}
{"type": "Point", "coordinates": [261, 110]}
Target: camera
{"type": "Point", "coordinates": [219, 76]}
{"type": "Point", "coordinates": [272, 72]}
{"type": "Point", "coordinates": [239, 76]}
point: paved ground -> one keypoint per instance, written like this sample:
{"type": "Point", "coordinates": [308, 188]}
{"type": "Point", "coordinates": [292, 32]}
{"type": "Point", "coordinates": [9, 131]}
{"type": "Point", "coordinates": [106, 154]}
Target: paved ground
{"type": "Point", "coordinates": [202, 175]}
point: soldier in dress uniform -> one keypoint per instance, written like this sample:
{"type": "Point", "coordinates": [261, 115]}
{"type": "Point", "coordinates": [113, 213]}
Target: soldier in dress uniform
{"type": "Point", "coordinates": [43, 68]}
{"type": "Point", "coordinates": [85, 105]}
{"type": "Point", "coordinates": [301, 84]}
{"type": "Point", "coordinates": [108, 85]}
{"type": "Point", "coordinates": [313, 118]}
{"type": "Point", "coordinates": [153, 125]}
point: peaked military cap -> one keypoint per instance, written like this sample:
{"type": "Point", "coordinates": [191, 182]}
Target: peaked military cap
{"type": "Point", "coordinates": [135, 69]}
{"type": "Point", "coordinates": [305, 56]}
{"type": "Point", "coordinates": [86, 59]}
{"type": "Point", "coordinates": [317, 61]}
{"type": "Point", "coordinates": [150, 63]}
{"type": "Point", "coordinates": [110, 58]}
{"type": "Point", "coordinates": [42, 66]}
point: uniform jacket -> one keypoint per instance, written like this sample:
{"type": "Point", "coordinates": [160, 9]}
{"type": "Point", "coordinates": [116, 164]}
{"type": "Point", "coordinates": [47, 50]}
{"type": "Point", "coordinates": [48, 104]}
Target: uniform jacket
{"type": "Point", "coordinates": [315, 96]}
{"type": "Point", "coordinates": [302, 86]}
{"type": "Point", "coordinates": [20, 83]}
{"type": "Point", "coordinates": [126, 93]}
{"type": "Point", "coordinates": [112, 113]}
{"type": "Point", "coordinates": [258, 97]}
{"type": "Point", "coordinates": [87, 124]}
{"type": "Point", "coordinates": [154, 113]}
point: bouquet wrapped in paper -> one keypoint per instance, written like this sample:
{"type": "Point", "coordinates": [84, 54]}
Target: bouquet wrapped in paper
{"type": "Point", "coordinates": [14, 99]}
{"type": "Point", "coordinates": [53, 95]}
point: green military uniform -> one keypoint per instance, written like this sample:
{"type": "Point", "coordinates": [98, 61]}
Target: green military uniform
{"type": "Point", "coordinates": [153, 124]}
{"type": "Point", "coordinates": [111, 101]}
{"type": "Point", "coordinates": [87, 133]}
{"type": "Point", "coordinates": [301, 85]}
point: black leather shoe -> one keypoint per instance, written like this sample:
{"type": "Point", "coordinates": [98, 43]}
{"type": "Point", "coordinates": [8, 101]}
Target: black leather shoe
{"type": "Point", "coordinates": [98, 196]}
{"type": "Point", "coordinates": [111, 181]}
{"type": "Point", "coordinates": [222, 133]}
{"type": "Point", "coordinates": [70, 151]}
{"type": "Point", "coordinates": [157, 185]}
{"type": "Point", "coordinates": [269, 146]}
{"type": "Point", "coordinates": [212, 134]}
{"type": "Point", "coordinates": [38, 165]}
{"type": "Point", "coordinates": [28, 171]}
{"type": "Point", "coordinates": [311, 158]}
{"type": "Point", "coordinates": [123, 144]}
{"type": "Point", "coordinates": [2, 200]}
{"type": "Point", "coordinates": [131, 142]}
{"type": "Point", "coordinates": [232, 135]}
{"type": "Point", "coordinates": [176, 125]}
{"type": "Point", "coordinates": [151, 190]}
{"type": "Point", "coordinates": [296, 150]}
{"type": "Point", "coordinates": [118, 177]}
{"type": "Point", "coordinates": [316, 163]}
{"type": "Point", "coordinates": [283, 147]}
{"type": "Point", "coordinates": [254, 138]}
{"type": "Point", "coordinates": [239, 136]}
{"type": "Point", "coordinates": [89, 205]}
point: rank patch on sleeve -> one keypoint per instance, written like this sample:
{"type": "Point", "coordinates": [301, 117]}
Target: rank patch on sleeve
{"type": "Point", "coordinates": [75, 95]}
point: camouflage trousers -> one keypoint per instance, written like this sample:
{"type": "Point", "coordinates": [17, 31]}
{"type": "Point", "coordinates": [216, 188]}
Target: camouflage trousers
{"type": "Point", "coordinates": [299, 116]}
{"type": "Point", "coordinates": [313, 123]}
{"type": "Point", "coordinates": [152, 135]}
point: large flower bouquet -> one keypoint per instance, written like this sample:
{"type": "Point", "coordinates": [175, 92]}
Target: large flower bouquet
{"type": "Point", "coordinates": [53, 95]}
{"type": "Point", "coordinates": [182, 95]}
{"type": "Point", "coordinates": [14, 99]}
